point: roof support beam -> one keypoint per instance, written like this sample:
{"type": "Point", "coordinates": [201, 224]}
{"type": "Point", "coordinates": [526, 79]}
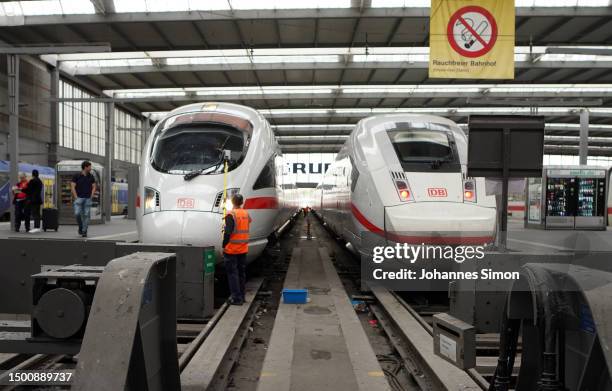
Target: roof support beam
{"type": "Point", "coordinates": [104, 7]}
{"type": "Point", "coordinates": [403, 12]}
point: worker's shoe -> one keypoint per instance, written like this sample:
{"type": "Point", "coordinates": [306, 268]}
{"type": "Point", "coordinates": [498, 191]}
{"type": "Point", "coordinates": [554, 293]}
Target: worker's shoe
{"type": "Point", "coordinates": [235, 302]}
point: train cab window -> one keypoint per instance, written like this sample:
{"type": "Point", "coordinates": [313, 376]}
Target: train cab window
{"type": "Point", "coordinates": [197, 147]}
{"type": "Point", "coordinates": [267, 177]}
{"type": "Point", "coordinates": [425, 149]}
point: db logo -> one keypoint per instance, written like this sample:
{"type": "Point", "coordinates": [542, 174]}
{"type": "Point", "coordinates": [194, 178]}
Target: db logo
{"type": "Point", "coordinates": [185, 203]}
{"type": "Point", "coordinates": [437, 192]}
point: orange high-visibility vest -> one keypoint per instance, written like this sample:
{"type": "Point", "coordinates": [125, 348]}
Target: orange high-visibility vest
{"type": "Point", "coordinates": [239, 239]}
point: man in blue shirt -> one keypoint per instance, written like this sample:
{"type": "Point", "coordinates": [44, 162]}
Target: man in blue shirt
{"type": "Point", "coordinates": [83, 187]}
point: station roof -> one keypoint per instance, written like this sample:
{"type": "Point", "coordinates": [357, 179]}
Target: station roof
{"type": "Point", "coordinates": [340, 59]}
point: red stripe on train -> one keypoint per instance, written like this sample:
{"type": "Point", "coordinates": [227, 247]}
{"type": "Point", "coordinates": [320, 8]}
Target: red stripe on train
{"type": "Point", "coordinates": [261, 203]}
{"type": "Point", "coordinates": [449, 240]}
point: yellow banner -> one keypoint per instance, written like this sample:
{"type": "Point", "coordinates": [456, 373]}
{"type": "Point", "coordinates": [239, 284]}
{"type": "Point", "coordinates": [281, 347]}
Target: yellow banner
{"type": "Point", "coordinates": [471, 39]}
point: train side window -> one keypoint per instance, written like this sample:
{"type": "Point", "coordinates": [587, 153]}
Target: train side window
{"type": "Point", "coordinates": [267, 177]}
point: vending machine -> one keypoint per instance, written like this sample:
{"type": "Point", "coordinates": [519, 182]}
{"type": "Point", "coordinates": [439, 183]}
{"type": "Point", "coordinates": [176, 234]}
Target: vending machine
{"type": "Point", "coordinates": [575, 197]}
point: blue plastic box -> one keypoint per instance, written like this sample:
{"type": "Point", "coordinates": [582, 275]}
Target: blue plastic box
{"type": "Point", "coordinates": [295, 296]}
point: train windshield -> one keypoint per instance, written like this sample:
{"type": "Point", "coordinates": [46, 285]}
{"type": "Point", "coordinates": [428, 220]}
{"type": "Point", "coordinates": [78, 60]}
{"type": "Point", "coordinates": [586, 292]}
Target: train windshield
{"type": "Point", "coordinates": [197, 148]}
{"type": "Point", "coordinates": [425, 149]}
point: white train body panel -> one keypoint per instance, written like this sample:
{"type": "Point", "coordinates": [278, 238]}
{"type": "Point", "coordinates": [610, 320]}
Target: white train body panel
{"type": "Point", "coordinates": [360, 193]}
{"type": "Point", "coordinates": [189, 212]}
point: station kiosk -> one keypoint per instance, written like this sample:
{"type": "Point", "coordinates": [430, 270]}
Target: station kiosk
{"type": "Point", "coordinates": [567, 197]}
{"type": "Point", "coordinates": [65, 171]}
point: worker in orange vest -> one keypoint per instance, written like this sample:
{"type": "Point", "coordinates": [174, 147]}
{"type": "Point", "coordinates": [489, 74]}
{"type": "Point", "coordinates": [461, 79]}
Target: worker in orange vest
{"type": "Point", "coordinates": [235, 248]}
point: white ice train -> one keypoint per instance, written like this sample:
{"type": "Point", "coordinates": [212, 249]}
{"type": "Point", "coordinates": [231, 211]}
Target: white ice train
{"type": "Point", "coordinates": [182, 176]}
{"type": "Point", "coordinates": [403, 177]}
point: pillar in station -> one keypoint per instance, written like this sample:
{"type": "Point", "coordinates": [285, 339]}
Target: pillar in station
{"type": "Point", "coordinates": [146, 129]}
{"type": "Point", "coordinates": [583, 149]}
{"type": "Point", "coordinates": [53, 157]}
{"type": "Point", "coordinates": [108, 161]}
{"type": "Point", "coordinates": [133, 186]}
{"type": "Point", "coordinates": [13, 109]}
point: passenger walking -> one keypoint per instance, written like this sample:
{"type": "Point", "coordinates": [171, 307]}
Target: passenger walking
{"type": "Point", "coordinates": [35, 199]}
{"type": "Point", "coordinates": [235, 249]}
{"type": "Point", "coordinates": [83, 188]}
{"type": "Point", "coordinates": [20, 200]}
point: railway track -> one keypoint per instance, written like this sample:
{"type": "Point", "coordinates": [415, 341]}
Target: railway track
{"type": "Point", "coordinates": [209, 350]}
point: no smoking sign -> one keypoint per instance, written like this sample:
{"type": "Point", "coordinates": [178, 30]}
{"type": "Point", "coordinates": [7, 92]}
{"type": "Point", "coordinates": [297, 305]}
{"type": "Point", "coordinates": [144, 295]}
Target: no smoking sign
{"type": "Point", "coordinates": [472, 31]}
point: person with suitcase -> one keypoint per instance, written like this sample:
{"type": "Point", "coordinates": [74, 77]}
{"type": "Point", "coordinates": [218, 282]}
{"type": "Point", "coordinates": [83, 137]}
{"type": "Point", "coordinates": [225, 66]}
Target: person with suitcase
{"type": "Point", "coordinates": [20, 200]}
{"type": "Point", "coordinates": [83, 187]}
{"type": "Point", "coordinates": [35, 199]}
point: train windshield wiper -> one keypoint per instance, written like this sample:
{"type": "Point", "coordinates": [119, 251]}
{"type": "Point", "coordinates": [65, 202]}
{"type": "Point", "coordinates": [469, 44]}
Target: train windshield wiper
{"type": "Point", "coordinates": [201, 171]}
{"type": "Point", "coordinates": [436, 163]}
{"type": "Point", "coordinates": [190, 175]}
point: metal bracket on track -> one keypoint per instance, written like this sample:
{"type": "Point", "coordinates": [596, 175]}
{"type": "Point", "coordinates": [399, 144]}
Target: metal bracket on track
{"type": "Point", "coordinates": [130, 339]}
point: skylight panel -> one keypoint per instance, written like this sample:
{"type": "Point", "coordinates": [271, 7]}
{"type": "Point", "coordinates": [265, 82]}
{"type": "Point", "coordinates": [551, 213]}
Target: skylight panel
{"type": "Point", "coordinates": [288, 4]}
{"type": "Point", "coordinates": [400, 3]}
{"type": "Point", "coordinates": [123, 6]}
{"type": "Point", "coordinates": [562, 3]}
{"type": "Point", "coordinates": [46, 7]}
{"type": "Point", "coordinates": [220, 5]}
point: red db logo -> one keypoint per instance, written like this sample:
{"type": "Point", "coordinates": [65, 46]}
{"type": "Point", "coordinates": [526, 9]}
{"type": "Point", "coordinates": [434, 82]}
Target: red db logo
{"type": "Point", "coordinates": [437, 192]}
{"type": "Point", "coordinates": [185, 203]}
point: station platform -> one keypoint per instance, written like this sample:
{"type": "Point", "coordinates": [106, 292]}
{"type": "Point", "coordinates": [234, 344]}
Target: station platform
{"type": "Point", "coordinates": [320, 345]}
{"type": "Point", "coordinates": [535, 240]}
{"type": "Point", "coordinates": [119, 228]}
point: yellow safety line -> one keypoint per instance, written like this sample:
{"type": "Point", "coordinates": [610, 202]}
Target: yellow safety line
{"type": "Point", "coordinates": [224, 198]}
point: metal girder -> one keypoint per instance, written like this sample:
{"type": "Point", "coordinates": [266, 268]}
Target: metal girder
{"type": "Point", "coordinates": [313, 13]}
{"type": "Point", "coordinates": [345, 129]}
{"type": "Point", "coordinates": [109, 132]}
{"type": "Point", "coordinates": [56, 49]}
{"type": "Point", "coordinates": [13, 111]}
{"type": "Point", "coordinates": [330, 140]}
{"type": "Point", "coordinates": [312, 65]}
{"type": "Point", "coordinates": [301, 148]}
{"type": "Point", "coordinates": [445, 112]}
{"type": "Point", "coordinates": [578, 50]}
{"type": "Point", "coordinates": [312, 130]}
{"type": "Point", "coordinates": [584, 136]}
{"type": "Point", "coordinates": [549, 149]}
{"type": "Point", "coordinates": [104, 7]}
{"type": "Point", "coordinates": [54, 118]}
{"type": "Point", "coordinates": [475, 97]}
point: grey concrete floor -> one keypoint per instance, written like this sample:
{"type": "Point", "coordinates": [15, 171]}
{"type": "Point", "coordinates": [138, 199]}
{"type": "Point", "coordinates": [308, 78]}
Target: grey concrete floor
{"type": "Point", "coordinates": [119, 228]}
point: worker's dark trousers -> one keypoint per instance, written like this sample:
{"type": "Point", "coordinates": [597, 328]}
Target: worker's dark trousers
{"type": "Point", "coordinates": [35, 214]}
{"type": "Point", "coordinates": [22, 212]}
{"type": "Point", "coordinates": [235, 268]}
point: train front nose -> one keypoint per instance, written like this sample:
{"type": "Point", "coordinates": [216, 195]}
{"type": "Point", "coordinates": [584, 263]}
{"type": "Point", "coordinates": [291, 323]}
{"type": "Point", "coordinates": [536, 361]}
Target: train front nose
{"type": "Point", "coordinates": [451, 223]}
{"type": "Point", "coordinates": [180, 227]}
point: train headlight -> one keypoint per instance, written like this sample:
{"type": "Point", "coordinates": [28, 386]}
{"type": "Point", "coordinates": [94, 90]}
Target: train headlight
{"type": "Point", "coordinates": [151, 200]}
{"type": "Point", "coordinates": [469, 191]}
{"type": "Point", "coordinates": [403, 189]}
{"type": "Point", "coordinates": [219, 202]}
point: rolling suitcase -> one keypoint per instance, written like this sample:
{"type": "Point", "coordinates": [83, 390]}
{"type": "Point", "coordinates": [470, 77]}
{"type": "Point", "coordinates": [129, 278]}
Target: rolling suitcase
{"type": "Point", "coordinates": [50, 219]}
